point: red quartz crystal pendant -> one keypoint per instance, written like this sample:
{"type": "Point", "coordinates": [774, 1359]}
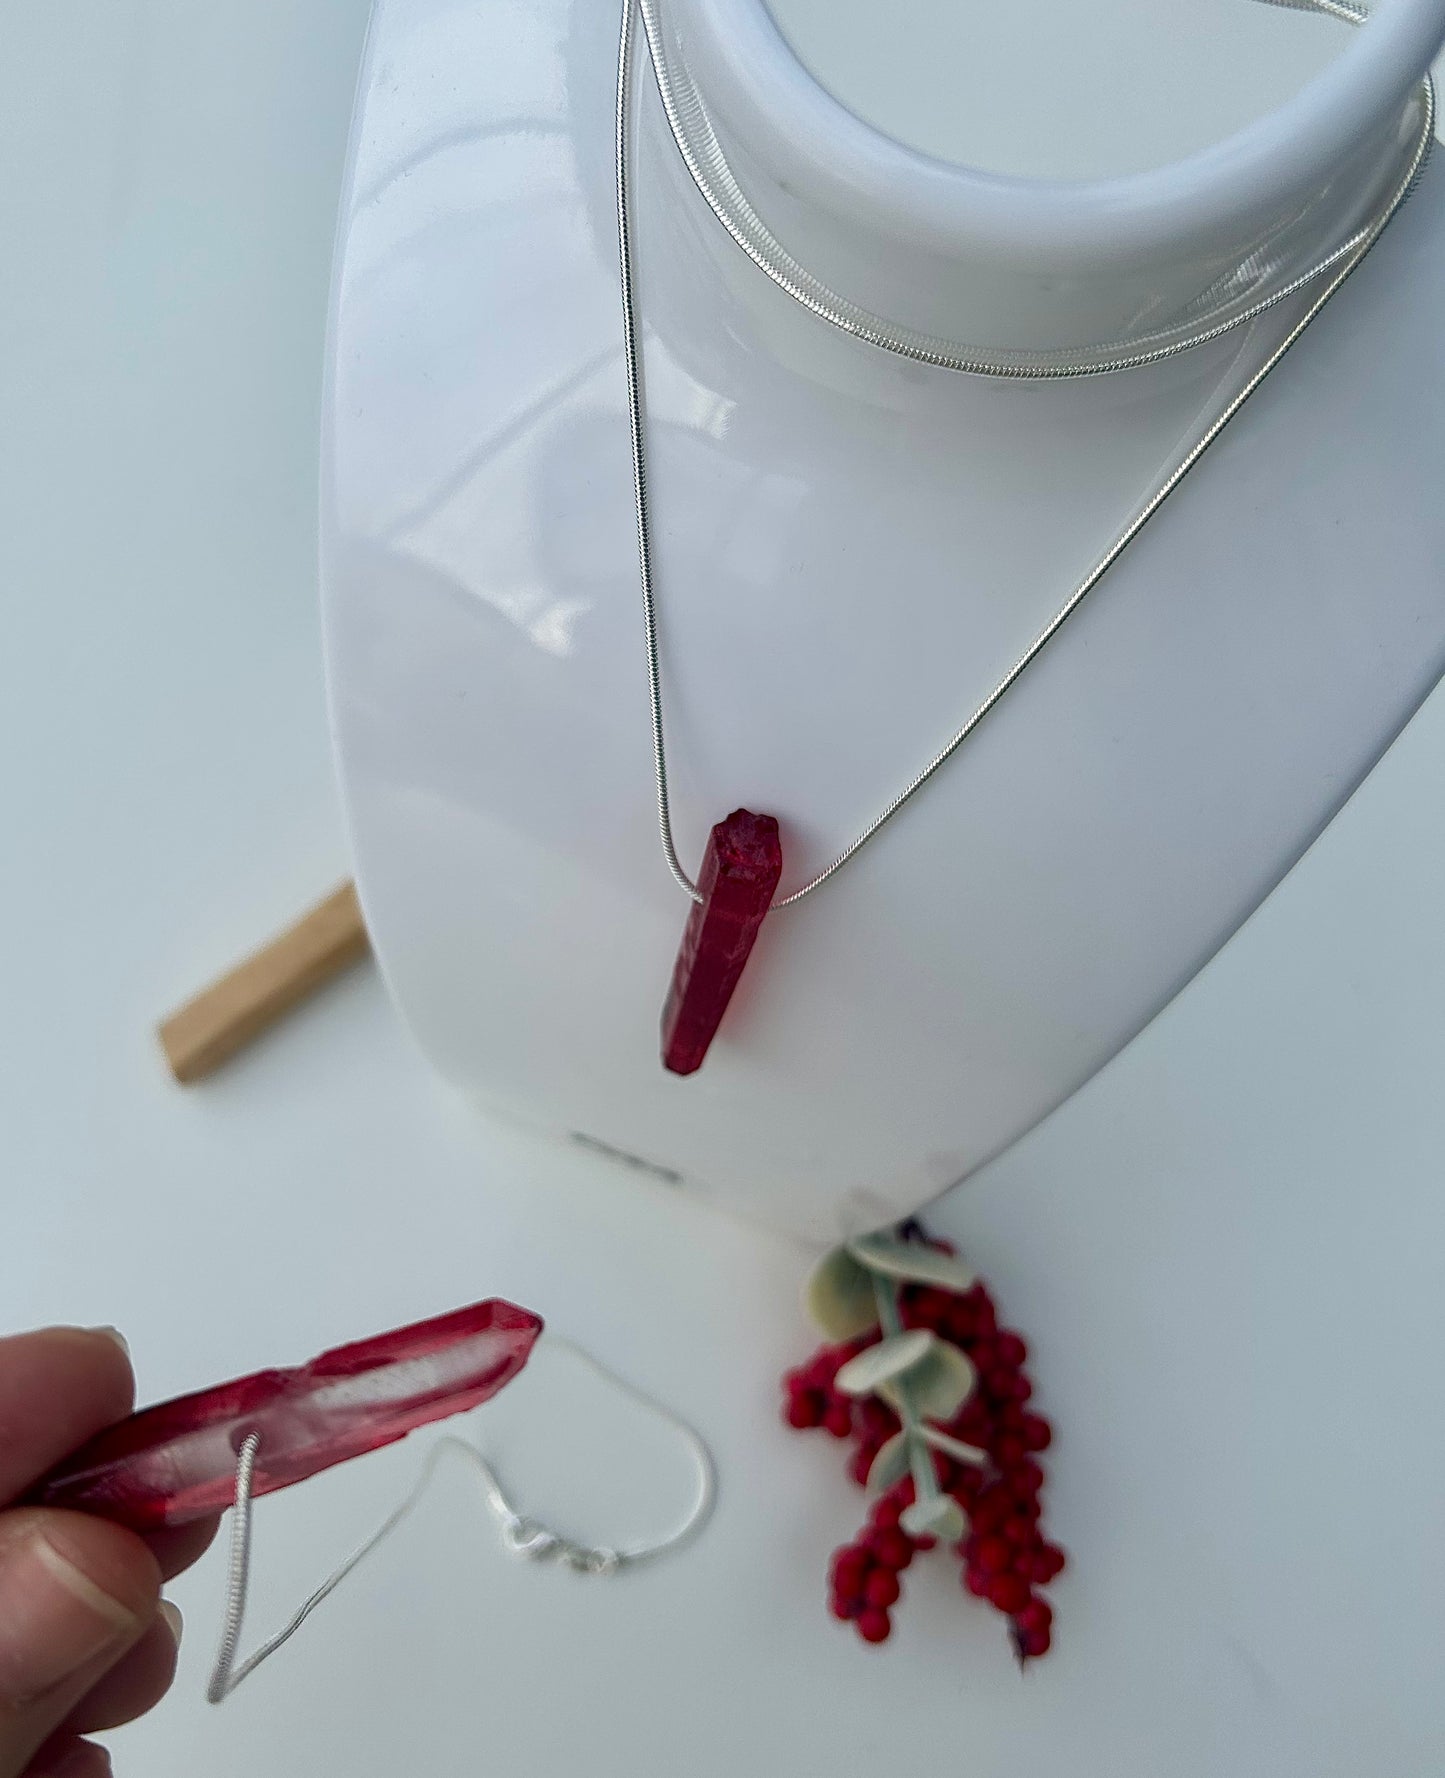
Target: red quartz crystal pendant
{"type": "Point", "coordinates": [176, 1462]}
{"type": "Point", "coordinates": [739, 876]}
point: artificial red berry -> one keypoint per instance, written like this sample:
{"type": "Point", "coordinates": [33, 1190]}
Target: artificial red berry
{"type": "Point", "coordinates": [1036, 1432]}
{"type": "Point", "coordinates": [1011, 1349]}
{"type": "Point", "coordinates": [875, 1419]}
{"type": "Point", "coordinates": [849, 1565]}
{"type": "Point", "coordinates": [874, 1624]}
{"type": "Point", "coordinates": [1036, 1615]}
{"type": "Point", "coordinates": [993, 1555]}
{"type": "Point", "coordinates": [1009, 1592]}
{"type": "Point", "coordinates": [967, 1485]}
{"type": "Point", "coordinates": [881, 1587]}
{"type": "Point", "coordinates": [885, 1512]}
{"type": "Point", "coordinates": [1033, 1643]}
{"type": "Point", "coordinates": [1020, 1389]}
{"type": "Point", "coordinates": [977, 1582]}
{"type": "Point", "coordinates": [932, 1306]}
{"type": "Point", "coordinates": [1052, 1557]}
{"type": "Point", "coordinates": [973, 1424]}
{"type": "Point", "coordinates": [1018, 1531]}
{"type": "Point", "coordinates": [992, 1507]}
{"type": "Point", "coordinates": [804, 1410]}
{"type": "Point", "coordinates": [859, 1465]}
{"type": "Point", "coordinates": [894, 1549]}
{"type": "Point", "coordinates": [1011, 1448]}
{"type": "Point", "coordinates": [1026, 1479]}
{"type": "Point", "coordinates": [839, 1419]}
{"type": "Point", "coordinates": [843, 1607]}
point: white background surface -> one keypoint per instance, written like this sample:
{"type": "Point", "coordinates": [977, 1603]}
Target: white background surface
{"type": "Point", "coordinates": [1225, 1251]}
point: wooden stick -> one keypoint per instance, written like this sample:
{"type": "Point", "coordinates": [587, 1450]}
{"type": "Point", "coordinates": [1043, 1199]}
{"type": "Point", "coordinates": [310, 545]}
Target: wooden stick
{"type": "Point", "coordinates": [234, 1011]}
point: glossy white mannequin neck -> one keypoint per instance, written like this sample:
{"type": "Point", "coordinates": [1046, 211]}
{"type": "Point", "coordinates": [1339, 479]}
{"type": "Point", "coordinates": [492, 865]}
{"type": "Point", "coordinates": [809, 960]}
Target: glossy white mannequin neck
{"type": "Point", "coordinates": [1038, 264]}
{"type": "Point", "coordinates": [1032, 90]}
{"type": "Point", "coordinates": [850, 548]}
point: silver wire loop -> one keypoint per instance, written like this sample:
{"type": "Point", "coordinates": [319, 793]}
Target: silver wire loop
{"type": "Point", "coordinates": [521, 1535]}
{"type": "Point", "coordinates": [752, 236]}
{"type": "Point", "coordinates": [238, 1576]}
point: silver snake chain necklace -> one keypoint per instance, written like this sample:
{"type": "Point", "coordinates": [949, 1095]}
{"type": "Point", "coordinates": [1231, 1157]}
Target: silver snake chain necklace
{"type": "Point", "coordinates": [713, 180]}
{"type": "Point", "coordinates": [738, 884]}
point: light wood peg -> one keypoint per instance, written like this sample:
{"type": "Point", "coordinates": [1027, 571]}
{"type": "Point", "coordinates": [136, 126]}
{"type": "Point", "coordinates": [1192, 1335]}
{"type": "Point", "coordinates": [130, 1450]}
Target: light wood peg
{"type": "Point", "coordinates": [235, 1010]}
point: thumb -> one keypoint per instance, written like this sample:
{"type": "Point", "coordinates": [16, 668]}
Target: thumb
{"type": "Point", "coordinates": [75, 1594]}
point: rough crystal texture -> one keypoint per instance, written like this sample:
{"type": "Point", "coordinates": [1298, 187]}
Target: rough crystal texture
{"type": "Point", "coordinates": [176, 1461]}
{"type": "Point", "coordinates": [739, 877]}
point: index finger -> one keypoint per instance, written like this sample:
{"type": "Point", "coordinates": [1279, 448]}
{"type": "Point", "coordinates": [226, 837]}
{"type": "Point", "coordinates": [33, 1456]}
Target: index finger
{"type": "Point", "coordinates": [57, 1387]}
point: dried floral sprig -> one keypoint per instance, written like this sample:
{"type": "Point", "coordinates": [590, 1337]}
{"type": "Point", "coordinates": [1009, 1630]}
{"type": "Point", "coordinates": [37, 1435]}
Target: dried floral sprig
{"type": "Point", "coordinates": [933, 1390]}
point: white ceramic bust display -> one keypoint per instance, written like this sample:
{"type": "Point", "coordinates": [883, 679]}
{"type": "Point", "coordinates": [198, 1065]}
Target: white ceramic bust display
{"type": "Point", "coordinates": [852, 546]}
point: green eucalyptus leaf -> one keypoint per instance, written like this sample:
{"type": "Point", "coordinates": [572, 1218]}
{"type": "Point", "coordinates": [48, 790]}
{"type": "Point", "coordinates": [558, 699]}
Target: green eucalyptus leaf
{"type": "Point", "coordinates": [938, 1383]}
{"type": "Point", "coordinates": [912, 1262]}
{"type": "Point", "coordinates": [890, 1465]}
{"type": "Point", "coordinates": [953, 1447]}
{"type": "Point", "coordinates": [839, 1296]}
{"type": "Point", "coordinates": [941, 1517]}
{"type": "Point", "coordinates": [899, 1353]}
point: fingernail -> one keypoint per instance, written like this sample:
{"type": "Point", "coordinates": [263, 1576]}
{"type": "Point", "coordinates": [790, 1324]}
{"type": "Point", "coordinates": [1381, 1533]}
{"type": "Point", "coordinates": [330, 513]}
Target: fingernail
{"type": "Point", "coordinates": [113, 1333]}
{"type": "Point", "coordinates": [56, 1619]}
{"type": "Point", "coordinates": [174, 1622]}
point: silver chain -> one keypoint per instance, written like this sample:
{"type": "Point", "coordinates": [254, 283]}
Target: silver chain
{"type": "Point", "coordinates": [521, 1534]}
{"type": "Point", "coordinates": [751, 235]}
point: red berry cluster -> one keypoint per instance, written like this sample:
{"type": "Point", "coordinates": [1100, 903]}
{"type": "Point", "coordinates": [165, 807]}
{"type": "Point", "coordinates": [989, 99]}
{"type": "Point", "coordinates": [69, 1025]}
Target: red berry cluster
{"type": "Point", "coordinates": [1006, 1556]}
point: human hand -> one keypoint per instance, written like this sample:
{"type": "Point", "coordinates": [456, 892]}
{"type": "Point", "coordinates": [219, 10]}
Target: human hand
{"type": "Point", "coordinates": [85, 1641]}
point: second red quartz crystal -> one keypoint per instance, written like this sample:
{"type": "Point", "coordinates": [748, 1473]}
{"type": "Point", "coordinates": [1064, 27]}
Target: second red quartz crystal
{"type": "Point", "coordinates": [176, 1462]}
{"type": "Point", "coordinates": [738, 880]}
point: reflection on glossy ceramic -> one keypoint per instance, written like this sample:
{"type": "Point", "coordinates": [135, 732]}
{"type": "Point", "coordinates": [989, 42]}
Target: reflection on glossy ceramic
{"type": "Point", "coordinates": [850, 550]}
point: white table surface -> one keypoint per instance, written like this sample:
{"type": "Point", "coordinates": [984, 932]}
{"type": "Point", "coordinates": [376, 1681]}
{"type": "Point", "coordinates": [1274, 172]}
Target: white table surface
{"type": "Point", "coordinates": [1226, 1250]}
